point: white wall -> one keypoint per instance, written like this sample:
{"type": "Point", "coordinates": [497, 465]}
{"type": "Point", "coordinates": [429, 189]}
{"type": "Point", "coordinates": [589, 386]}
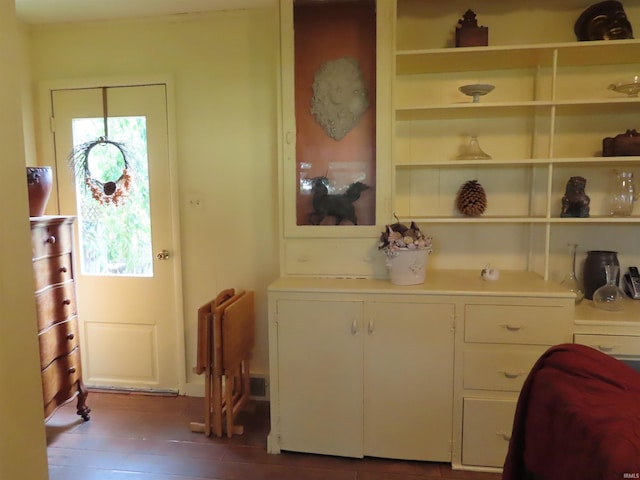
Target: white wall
{"type": "Point", "coordinates": [224, 65]}
{"type": "Point", "coordinates": [22, 435]}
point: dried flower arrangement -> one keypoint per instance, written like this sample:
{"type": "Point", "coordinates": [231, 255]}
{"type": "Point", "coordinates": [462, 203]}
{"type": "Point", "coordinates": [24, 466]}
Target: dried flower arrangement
{"type": "Point", "coordinates": [398, 237]}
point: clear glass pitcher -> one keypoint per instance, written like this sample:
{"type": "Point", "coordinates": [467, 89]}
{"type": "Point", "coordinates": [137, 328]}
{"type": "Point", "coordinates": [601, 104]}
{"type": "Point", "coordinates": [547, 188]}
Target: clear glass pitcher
{"type": "Point", "coordinates": [623, 194]}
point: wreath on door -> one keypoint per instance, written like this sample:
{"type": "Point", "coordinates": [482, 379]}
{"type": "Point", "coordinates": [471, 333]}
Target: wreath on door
{"type": "Point", "coordinates": [104, 191]}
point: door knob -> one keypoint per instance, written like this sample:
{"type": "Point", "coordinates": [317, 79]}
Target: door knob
{"type": "Point", "coordinates": [163, 255]}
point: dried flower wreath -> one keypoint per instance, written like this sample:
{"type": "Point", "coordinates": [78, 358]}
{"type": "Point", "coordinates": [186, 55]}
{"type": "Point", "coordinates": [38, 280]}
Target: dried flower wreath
{"type": "Point", "coordinates": [104, 192]}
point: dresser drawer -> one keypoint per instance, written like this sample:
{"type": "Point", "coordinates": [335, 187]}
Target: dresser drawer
{"type": "Point", "coordinates": [496, 368]}
{"type": "Point", "coordinates": [52, 270]}
{"type": "Point", "coordinates": [58, 340]}
{"type": "Point", "coordinates": [51, 239]}
{"type": "Point", "coordinates": [487, 430]}
{"type": "Point", "coordinates": [56, 304]}
{"type": "Point", "coordinates": [60, 374]}
{"type": "Point", "coordinates": [521, 324]}
{"type": "Point", "coordinates": [614, 345]}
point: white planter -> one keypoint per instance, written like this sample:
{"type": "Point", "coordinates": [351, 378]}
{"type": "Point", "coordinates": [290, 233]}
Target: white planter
{"type": "Point", "coordinates": [407, 267]}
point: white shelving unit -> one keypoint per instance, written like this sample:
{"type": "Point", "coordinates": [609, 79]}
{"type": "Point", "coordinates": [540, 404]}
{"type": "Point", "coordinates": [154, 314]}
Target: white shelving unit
{"type": "Point", "coordinates": [543, 123]}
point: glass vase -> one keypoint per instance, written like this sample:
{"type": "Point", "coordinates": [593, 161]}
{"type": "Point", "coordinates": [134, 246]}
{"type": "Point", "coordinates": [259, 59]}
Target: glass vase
{"type": "Point", "coordinates": [570, 280]}
{"type": "Point", "coordinates": [623, 194]}
{"type": "Point", "coordinates": [473, 151]}
{"type": "Point", "coordinates": [609, 296]}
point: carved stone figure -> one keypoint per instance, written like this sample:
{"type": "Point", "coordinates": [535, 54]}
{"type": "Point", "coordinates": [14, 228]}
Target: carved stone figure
{"type": "Point", "coordinates": [603, 21]}
{"type": "Point", "coordinates": [339, 97]}
{"type": "Point", "coordinates": [575, 202]}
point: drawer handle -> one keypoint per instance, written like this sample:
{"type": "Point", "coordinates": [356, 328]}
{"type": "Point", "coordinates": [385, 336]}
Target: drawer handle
{"type": "Point", "coordinates": [512, 374]}
{"type": "Point", "coordinates": [607, 348]}
{"type": "Point", "coordinates": [354, 326]}
{"type": "Point", "coordinates": [70, 336]}
{"type": "Point", "coordinates": [505, 436]}
{"type": "Point", "coordinates": [66, 301]}
{"type": "Point", "coordinates": [512, 328]}
{"type": "Point", "coordinates": [71, 370]}
{"type": "Point", "coordinates": [51, 240]}
{"type": "Point", "coordinates": [63, 269]}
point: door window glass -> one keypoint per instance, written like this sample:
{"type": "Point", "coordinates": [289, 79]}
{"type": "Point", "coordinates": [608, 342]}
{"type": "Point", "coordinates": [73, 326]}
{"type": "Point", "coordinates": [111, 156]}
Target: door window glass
{"type": "Point", "coordinates": [115, 239]}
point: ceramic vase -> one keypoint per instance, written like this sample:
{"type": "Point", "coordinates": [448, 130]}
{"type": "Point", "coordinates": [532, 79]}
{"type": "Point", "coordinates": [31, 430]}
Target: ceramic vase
{"type": "Point", "coordinates": [39, 184]}
{"type": "Point", "coordinates": [594, 274]}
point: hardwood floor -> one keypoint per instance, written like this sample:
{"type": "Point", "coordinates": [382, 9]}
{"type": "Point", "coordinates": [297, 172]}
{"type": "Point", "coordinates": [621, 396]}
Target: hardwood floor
{"type": "Point", "coordinates": [143, 437]}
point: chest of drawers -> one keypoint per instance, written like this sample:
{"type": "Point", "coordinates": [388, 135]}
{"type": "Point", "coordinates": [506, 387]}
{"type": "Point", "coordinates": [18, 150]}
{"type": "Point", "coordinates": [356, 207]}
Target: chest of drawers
{"type": "Point", "coordinates": [55, 293]}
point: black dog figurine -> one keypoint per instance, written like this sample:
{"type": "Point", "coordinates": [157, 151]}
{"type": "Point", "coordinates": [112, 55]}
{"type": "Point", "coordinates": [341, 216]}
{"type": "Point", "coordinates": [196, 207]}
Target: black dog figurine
{"type": "Point", "coordinates": [339, 206]}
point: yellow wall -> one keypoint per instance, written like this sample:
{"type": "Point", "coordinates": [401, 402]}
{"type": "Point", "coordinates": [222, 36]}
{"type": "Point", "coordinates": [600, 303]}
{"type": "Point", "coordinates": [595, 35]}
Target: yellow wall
{"type": "Point", "coordinates": [224, 67]}
{"type": "Point", "coordinates": [22, 435]}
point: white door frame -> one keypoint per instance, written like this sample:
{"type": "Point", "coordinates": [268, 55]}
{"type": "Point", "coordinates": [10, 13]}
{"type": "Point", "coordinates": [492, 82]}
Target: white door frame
{"type": "Point", "coordinates": [48, 157]}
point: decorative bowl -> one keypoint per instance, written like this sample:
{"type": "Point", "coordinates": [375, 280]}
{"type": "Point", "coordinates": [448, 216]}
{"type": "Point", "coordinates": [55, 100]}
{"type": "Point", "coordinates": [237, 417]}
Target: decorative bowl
{"type": "Point", "coordinates": [630, 87]}
{"type": "Point", "coordinates": [476, 90]}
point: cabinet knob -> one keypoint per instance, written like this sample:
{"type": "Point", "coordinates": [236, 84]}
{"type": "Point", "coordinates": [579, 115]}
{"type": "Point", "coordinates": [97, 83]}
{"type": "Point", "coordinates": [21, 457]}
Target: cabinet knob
{"type": "Point", "coordinates": [66, 301]}
{"type": "Point", "coordinates": [504, 435]}
{"type": "Point", "coordinates": [63, 270]}
{"type": "Point", "coordinates": [51, 240]}
{"type": "Point", "coordinates": [71, 370]}
{"type": "Point", "coordinates": [70, 336]}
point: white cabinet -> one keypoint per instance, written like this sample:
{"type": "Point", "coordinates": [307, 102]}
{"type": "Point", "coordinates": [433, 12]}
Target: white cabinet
{"type": "Point", "coordinates": [355, 374]}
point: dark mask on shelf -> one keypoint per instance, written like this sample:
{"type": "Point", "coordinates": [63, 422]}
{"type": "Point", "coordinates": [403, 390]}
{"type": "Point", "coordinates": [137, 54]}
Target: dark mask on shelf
{"type": "Point", "coordinates": [603, 21]}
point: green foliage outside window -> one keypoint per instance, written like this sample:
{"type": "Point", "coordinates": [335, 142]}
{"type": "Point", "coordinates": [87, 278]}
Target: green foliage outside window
{"type": "Point", "coordinates": [115, 240]}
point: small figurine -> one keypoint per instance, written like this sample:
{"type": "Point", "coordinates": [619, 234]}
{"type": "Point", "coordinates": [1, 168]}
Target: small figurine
{"type": "Point", "coordinates": [603, 21]}
{"type": "Point", "coordinates": [575, 202]}
{"type": "Point", "coordinates": [339, 206]}
{"type": "Point", "coordinates": [490, 274]}
{"type": "Point", "coordinates": [469, 34]}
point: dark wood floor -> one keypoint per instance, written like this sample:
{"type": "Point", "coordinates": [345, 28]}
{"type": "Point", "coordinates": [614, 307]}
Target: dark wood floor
{"type": "Point", "coordinates": [142, 437]}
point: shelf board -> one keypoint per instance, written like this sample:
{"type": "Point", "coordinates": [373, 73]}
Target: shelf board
{"type": "Point", "coordinates": [523, 219]}
{"type": "Point", "coordinates": [518, 107]}
{"type": "Point", "coordinates": [509, 57]}
{"type": "Point", "coordinates": [508, 162]}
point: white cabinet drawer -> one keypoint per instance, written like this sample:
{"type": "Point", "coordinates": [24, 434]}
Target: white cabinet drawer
{"type": "Point", "coordinates": [614, 345]}
{"type": "Point", "coordinates": [499, 368]}
{"type": "Point", "coordinates": [521, 324]}
{"type": "Point", "coordinates": [487, 430]}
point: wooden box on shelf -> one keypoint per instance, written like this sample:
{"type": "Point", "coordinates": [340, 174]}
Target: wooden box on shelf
{"type": "Point", "coordinates": [52, 249]}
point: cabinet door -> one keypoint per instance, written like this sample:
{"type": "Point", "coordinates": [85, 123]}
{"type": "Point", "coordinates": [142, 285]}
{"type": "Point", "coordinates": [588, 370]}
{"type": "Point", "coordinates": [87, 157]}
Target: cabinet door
{"type": "Point", "coordinates": [408, 380]}
{"type": "Point", "coordinates": [320, 376]}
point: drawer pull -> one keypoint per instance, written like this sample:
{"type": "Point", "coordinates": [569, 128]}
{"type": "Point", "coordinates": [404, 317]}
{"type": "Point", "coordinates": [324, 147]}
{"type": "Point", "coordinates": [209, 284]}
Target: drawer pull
{"type": "Point", "coordinates": [512, 374]}
{"type": "Point", "coordinates": [607, 348]}
{"type": "Point", "coordinates": [505, 436]}
{"type": "Point", "coordinates": [71, 370]}
{"type": "Point", "coordinates": [66, 301]}
{"type": "Point", "coordinates": [354, 326]}
{"type": "Point", "coordinates": [51, 240]}
{"type": "Point", "coordinates": [70, 336]}
{"type": "Point", "coordinates": [63, 269]}
{"type": "Point", "coordinates": [371, 327]}
{"type": "Point", "coordinates": [512, 328]}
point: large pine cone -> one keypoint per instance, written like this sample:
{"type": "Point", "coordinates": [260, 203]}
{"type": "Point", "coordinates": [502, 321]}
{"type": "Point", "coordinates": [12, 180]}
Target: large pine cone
{"type": "Point", "coordinates": [472, 199]}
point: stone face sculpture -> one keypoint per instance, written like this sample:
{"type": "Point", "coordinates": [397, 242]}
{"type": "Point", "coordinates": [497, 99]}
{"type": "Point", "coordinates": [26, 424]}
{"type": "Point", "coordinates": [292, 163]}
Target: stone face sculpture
{"type": "Point", "coordinates": [603, 21]}
{"type": "Point", "coordinates": [339, 97]}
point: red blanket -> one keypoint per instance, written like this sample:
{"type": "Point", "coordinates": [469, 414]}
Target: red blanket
{"type": "Point", "coordinates": [578, 417]}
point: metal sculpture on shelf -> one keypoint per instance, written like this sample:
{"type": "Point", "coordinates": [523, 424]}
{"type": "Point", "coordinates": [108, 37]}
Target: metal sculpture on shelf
{"type": "Point", "coordinates": [339, 206]}
{"type": "Point", "coordinates": [575, 202]}
{"type": "Point", "coordinates": [603, 21]}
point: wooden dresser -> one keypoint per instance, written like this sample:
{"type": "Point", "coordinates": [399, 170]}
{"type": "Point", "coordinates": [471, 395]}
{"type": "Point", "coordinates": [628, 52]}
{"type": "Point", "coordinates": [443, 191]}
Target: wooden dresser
{"type": "Point", "coordinates": [52, 247]}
